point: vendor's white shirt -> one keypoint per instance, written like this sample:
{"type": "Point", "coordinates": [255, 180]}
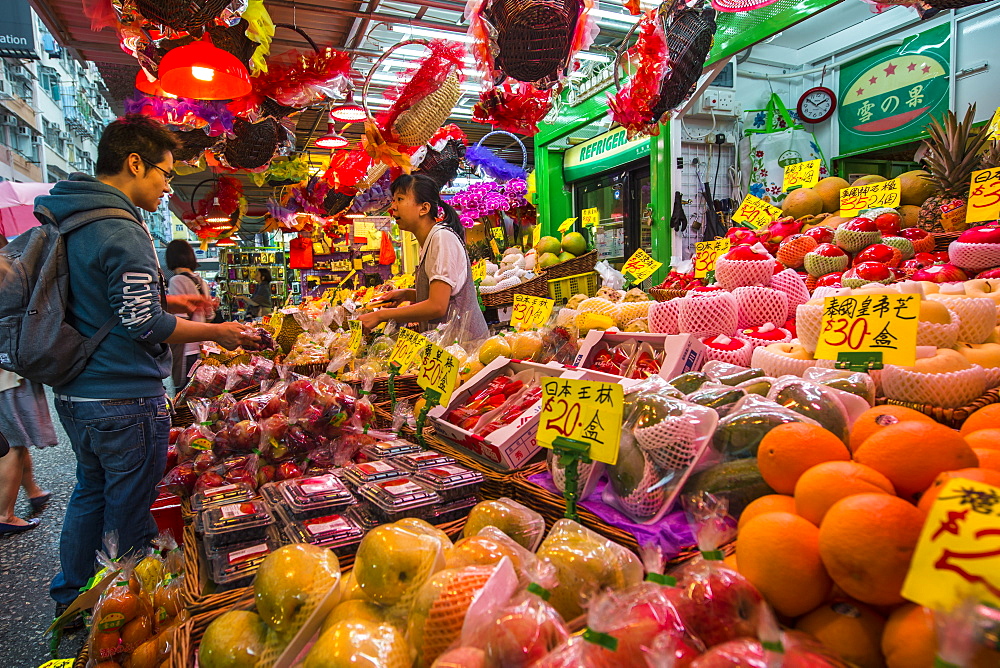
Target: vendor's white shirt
{"type": "Point", "coordinates": [443, 258]}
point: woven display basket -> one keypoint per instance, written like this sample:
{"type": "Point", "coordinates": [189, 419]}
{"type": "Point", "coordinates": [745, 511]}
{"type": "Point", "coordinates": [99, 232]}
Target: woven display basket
{"type": "Point", "coordinates": [578, 265]}
{"type": "Point", "coordinates": [690, 32]}
{"type": "Point", "coordinates": [337, 203]}
{"type": "Point", "coordinates": [383, 409]}
{"type": "Point", "coordinates": [538, 287]}
{"type": "Point", "coordinates": [443, 165]}
{"type": "Point", "coordinates": [533, 37]}
{"type": "Point", "coordinates": [273, 108]}
{"type": "Point", "coordinates": [234, 40]}
{"type": "Point", "coordinates": [416, 125]}
{"type": "Point", "coordinates": [943, 239]}
{"type": "Point", "coordinates": [405, 385]}
{"type": "Point", "coordinates": [192, 144]}
{"type": "Point", "coordinates": [662, 295]}
{"type": "Point", "coordinates": [951, 417]}
{"type": "Point", "coordinates": [185, 15]}
{"type": "Point", "coordinates": [198, 594]}
{"type": "Point", "coordinates": [254, 144]}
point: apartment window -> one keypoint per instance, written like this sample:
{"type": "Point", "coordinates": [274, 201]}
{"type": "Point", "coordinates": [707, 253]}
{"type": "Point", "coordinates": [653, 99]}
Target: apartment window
{"type": "Point", "coordinates": [48, 77]}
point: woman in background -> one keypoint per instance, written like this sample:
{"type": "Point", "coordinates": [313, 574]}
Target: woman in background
{"type": "Point", "coordinates": [260, 300]}
{"type": "Point", "coordinates": [24, 422]}
{"type": "Point", "coordinates": [181, 260]}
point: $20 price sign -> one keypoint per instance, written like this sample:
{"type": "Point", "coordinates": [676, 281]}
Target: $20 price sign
{"type": "Point", "coordinates": [706, 253]}
{"type": "Point", "coordinates": [438, 372]}
{"type": "Point", "coordinates": [884, 324]}
{"type": "Point", "coordinates": [585, 411]}
{"type": "Point", "coordinates": [530, 311]}
{"type": "Point", "coordinates": [409, 344]}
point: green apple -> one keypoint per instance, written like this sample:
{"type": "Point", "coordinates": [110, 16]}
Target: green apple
{"type": "Point", "coordinates": [291, 581]}
{"type": "Point", "coordinates": [986, 355]}
{"type": "Point", "coordinates": [394, 561]}
{"type": "Point", "coordinates": [355, 610]}
{"type": "Point", "coordinates": [359, 644]}
{"type": "Point", "coordinates": [519, 522]}
{"type": "Point", "coordinates": [234, 639]}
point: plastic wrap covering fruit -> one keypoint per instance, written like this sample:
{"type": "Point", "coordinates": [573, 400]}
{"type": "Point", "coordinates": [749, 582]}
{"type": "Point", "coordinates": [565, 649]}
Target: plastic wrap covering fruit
{"type": "Point", "coordinates": [520, 523]}
{"type": "Point", "coordinates": [394, 561]}
{"type": "Point", "coordinates": [511, 410]}
{"type": "Point", "coordinates": [491, 397]}
{"type": "Point", "coordinates": [833, 409]}
{"type": "Point", "coordinates": [859, 384]}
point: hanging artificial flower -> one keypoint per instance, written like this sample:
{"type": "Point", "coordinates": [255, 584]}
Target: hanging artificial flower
{"type": "Point", "coordinates": [514, 106]}
{"type": "Point", "coordinates": [286, 169]}
{"type": "Point", "coordinates": [383, 151]}
{"type": "Point", "coordinates": [443, 135]}
{"type": "Point", "coordinates": [419, 81]}
{"type": "Point", "coordinates": [298, 79]}
{"type": "Point", "coordinates": [183, 113]}
{"type": "Point", "coordinates": [261, 31]}
{"type": "Point", "coordinates": [308, 196]}
{"type": "Point", "coordinates": [490, 198]}
{"type": "Point", "coordinates": [374, 199]}
{"type": "Point", "coordinates": [493, 165]}
{"type": "Point", "coordinates": [632, 106]}
{"type": "Point", "coordinates": [346, 169]}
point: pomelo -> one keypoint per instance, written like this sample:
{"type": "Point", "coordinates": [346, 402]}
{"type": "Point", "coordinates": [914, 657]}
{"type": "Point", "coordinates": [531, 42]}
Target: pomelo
{"type": "Point", "coordinates": [548, 245]}
{"type": "Point", "coordinates": [546, 260]}
{"type": "Point", "coordinates": [869, 179]}
{"type": "Point", "coordinates": [574, 243]}
{"type": "Point", "coordinates": [565, 256]}
{"type": "Point", "coordinates": [802, 202]}
{"type": "Point", "coordinates": [829, 190]}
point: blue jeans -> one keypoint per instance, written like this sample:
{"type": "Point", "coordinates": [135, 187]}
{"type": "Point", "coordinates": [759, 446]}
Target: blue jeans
{"type": "Point", "coordinates": [121, 451]}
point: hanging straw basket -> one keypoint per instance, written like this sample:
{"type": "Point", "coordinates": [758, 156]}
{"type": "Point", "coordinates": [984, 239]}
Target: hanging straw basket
{"type": "Point", "coordinates": [533, 37]}
{"type": "Point", "coordinates": [578, 265]}
{"type": "Point", "coordinates": [443, 165]}
{"type": "Point", "coordinates": [255, 143]}
{"type": "Point", "coordinates": [184, 15]}
{"type": "Point", "coordinates": [192, 144]}
{"type": "Point", "coordinates": [690, 32]}
{"type": "Point", "coordinates": [501, 163]}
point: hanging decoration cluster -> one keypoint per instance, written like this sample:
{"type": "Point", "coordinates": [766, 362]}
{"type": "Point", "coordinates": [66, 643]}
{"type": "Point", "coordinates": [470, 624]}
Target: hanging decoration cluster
{"type": "Point", "coordinates": [632, 105]}
{"type": "Point", "coordinates": [226, 196]}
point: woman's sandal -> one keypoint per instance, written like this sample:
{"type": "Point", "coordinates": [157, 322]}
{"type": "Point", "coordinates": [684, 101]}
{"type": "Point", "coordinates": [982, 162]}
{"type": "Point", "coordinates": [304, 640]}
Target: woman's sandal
{"type": "Point", "coordinates": [38, 503]}
{"type": "Point", "coordinates": [10, 529]}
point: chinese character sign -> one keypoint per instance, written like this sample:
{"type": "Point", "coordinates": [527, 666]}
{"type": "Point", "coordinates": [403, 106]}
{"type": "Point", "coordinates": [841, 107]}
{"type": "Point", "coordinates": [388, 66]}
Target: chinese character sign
{"type": "Point", "coordinates": [409, 344]}
{"type": "Point", "coordinates": [958, 555]}
{"type": "Point", "coordinates": [858, 198]}
{"type": "Point", "coordinates": [585, 411]}
{"type": "Point", "coordinates": [438, 372]}
{"type": "Point", "coordinates": [994, 126]}
{"type": "Point", "coordinates": [357, 335]}
{"type": "Point", "coordinates": [591, 217]}
{"type": "Point", "coordinates": [530, 312]}
{"type": "Point", "coordinates": [640, 266]}
{"type": "Point", "coordinates": [706, 253]}
{"type": "Point", "coordinates": [498, 232]}
{"type": "Point", "coordinates": [984, 196]}
{"type": "Point", "coordinates": [801, 174]}
{"type": "Point", "coordinates": [478, 270]}
{"type": "Point", "coordinates": [567, 225]}
{"type": "Point", "coordinates": [755, 213]}
{"type": "Point", "coordinates": [884, 324]}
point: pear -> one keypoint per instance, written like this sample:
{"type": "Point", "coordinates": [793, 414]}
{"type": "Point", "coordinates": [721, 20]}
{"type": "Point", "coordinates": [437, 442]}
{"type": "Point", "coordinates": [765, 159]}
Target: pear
{"type": "Point", "coordinates": [519, 522]}
{"type": "Point", "coordinates": [291, 581]}
{"type": "Point", "coordinates": [359, 644]}
{"type": "Point", "coordinates": [354, 610]}
{"type": "Point", "coordinates": [394, 561]}
{"type": "Point", "coordinates": [234, 639]}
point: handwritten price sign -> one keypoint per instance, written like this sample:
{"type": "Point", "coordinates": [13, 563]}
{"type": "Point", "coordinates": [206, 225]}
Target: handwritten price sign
{"type": "Point", "coordinates": [801, 174]}
{"type": "Point", "coordinates": [958, 555]}
{"type": "Point", "coordinates": [357, 335]}
{"type": "Point", "coordinates": [640, 266]}
{"type": "Point", "coordinates": [984, 196]}
{"type": "Point", "coordinates": [884, 324]}
{"type": "Point", "coordinates": [591, 217]}
{"type": "Point", "coordinates": [438, 372]}
{"type": "Point", "coordinates": [994, 127]}
{"type": "Point", "coordinates": [857, 199]}
{"type": "Point", "coordinates": [409, 344]}
{"type": "Point", "coordinates": [585, 411]}
{"type": "Point", "coordinates": [567, 225]}
{"type": "Point", "coordinates": [755, 213]}
{"type": "Point", "coordinates": [478, 270]}
{"type": "Point", "coordinates": [530, 312]}
{"type": "Point", "coordinates": [706, 253]}
{"type": "Point", "coordinates": [498, 233]}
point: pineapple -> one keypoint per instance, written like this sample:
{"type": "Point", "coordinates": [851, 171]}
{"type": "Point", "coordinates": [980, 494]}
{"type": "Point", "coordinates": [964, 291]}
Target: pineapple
{"type": "Point", "coordinates": [991, 156]}
{"type": "Point", "coordinates": [952, 157]}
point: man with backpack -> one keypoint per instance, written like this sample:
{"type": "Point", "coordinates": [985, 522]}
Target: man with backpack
{"type": "Point", "coordinates": [114, 409]}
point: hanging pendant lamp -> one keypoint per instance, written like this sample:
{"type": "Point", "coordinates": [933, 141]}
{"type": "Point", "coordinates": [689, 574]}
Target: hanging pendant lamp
{"type": "Point", "coordinates": [144, 85]}
{"type": "Point", "coordinates": [331, 139]}
{"type": "Point", "coordinates": [202, 71]}
{"type": "Point", "coordinates": [349, 111]}
{"type": "Point", "coordinates": [225, 242]}
{"type": "Point", "coordinates": [215, 213]}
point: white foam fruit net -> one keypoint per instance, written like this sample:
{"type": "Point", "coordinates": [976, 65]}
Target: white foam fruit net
{"type": "Point", "coordinates": [789, 282]}
{"type": "Point", "coordinates": [645, 501]}
{"type": "Point", "coordinates": [740, 356]}
{"type": "Point", "coordinates": [948, 390]}
{"type": "Point", "coordinates": [807, 325]}
{"type": "Point", "coordinates": [776, 364]}
{"type": "Point", "coordinates": [992, 377]}
{"type": "Point", "coordinates": [663, 316]}
{"type": "Point", "coordinates": [708, 315]}
{"type": "Point", "coordinates": [756, 306]}
{"type": "Point", "coordinates": [974, 256]}
{"type": "Point", "coordinates": [937, 335]}
{"type": "Point", "coordinates": [977, 316]}
{"type": "Point", "coordinates": [732, 274]}
{"type": "Point", "coordinates": [670, 444]}
{"type": "Point", "coordinates": [629, 311]}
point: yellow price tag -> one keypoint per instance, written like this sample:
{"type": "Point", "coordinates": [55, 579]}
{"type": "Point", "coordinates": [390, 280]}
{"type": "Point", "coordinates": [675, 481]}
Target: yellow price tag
{"type": "Point", "coordinates": [328, 294]}
{"type": "Point", "coordinates": [357, 335]}
{"type": "Point", "coordinates": [585, 411]}
{"type": "Point", "coordinates": [591, 217]}
{"type": "Point", "coordinates": [478, 270]}
{"type": "Point", "coordinates": [640, 266]}
{"type": "Point", "coordinates": [755, 213]}
{"type": "Point", "coordinates": [858, 198]}
{"type": "Point", "coordinates": [529, 311]}
{"type": "Point", "coordinates": [994, 127]}
{"type": "Point", "coordinates": [884, 324]}
{"type": "Point", "coordinates": [438, 372]}
{"type": "Point", "coordinates": [59, 663]}
{"type": "Point", "coordinates": [706, 253]}
{"type": "Point", "coordinates": [567, 225]}
{"type": "Point", "coordinates": [408, 345]}
{"type": "Point", "coordinates": [802, 174]}
{"type": "Point", "coordinates": [958, 555]}
{"type": "Point", "coordinates": [494, 247]}
{"type": "Point", "coordinates": [984, 196]}
{"type": "Point", "coordinates": [498, 233]}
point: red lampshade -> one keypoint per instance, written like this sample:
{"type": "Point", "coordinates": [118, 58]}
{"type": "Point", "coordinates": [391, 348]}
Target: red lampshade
{"type": "Point", "coordinates": [203, 72]}
{"type": "Point", "coordinates": [332, 140]}
{"type": "Point", "coordinates": [148, 87]}
{"type": "Point", "coordinates": [225, 243]}
{"type": "Point", "coordinates": [215, 214]}
{"type": "Point", "coordinates": [349, 112]}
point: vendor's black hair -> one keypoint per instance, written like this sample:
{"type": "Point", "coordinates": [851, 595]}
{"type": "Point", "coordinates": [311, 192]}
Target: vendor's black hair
{"type": "Point", "coordinates": [266, 273]}
{"type": "Point", "coordinates": [425, 189]}
{"type": "Point", "coordinates": [180, 254]}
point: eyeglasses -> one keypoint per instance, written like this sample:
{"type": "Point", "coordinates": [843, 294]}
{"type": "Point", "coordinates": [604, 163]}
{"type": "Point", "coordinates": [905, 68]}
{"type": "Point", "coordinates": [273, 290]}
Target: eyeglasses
{"type": "Point", "coordinates": [167, 175]}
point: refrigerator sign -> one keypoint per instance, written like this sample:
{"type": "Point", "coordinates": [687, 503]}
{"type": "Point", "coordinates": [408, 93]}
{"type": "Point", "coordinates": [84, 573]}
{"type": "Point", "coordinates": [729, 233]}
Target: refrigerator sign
{"type": "Point", "coordinates": [17, 39]}
{"type": "Point", "coordinates": [602, 153]}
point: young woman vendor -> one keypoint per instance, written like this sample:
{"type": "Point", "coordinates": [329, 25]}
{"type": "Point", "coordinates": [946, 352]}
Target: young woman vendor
{"type": "Point", "coordinates": [444, 277]}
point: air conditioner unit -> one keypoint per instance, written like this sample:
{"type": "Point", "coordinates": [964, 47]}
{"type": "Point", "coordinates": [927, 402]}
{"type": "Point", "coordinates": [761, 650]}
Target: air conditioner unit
{"type": "Point", "coordinates": [38, 139]}
{"type": "Point", "coordinates": [19, 71]}
{"type": "Point", "coordinates": [24, 131]}
{"type": "Point", "coordinates": [8, 119]}
{"type": "Point", "coordinates": [63, 134]}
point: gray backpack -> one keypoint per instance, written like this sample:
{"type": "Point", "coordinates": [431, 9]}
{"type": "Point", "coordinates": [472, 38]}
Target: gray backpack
{"type": "Point", "coordinates": [36, 342]}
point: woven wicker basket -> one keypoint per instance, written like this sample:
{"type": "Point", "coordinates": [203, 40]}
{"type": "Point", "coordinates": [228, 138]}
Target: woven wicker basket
{"type": "Point", "coordinates": [443, 165]}
{"type": "Point", "coordinates": [234, 40]}
{"type": "Point", "coordinates": [337, 203]}
{"type": "Point", "coordinates": [578, 265]}
{"type": "Point", "coordinates": [952, 417]}
{"type": "Point", "coordinates": [254, 144]}
{"type": "Point", "coordinates": [533, 37]}
{"type": "Point", "coordinates": [690, 32]}
{"type": "Point", "coordinates": [185, 15]}
{"type": "Point", "coordinates": [416, 125]}
{"type": "Point", "coordinates": [192, 144]}
{"type": "Point", "coordinates": [943, 239]}
{"type": "Point", "coordinates": [661, 295]}
{"type": "Point", "coordinates": [538, 287]}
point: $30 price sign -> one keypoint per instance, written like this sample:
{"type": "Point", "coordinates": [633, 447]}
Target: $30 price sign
{"type": "Point", "coordinates": [530, 312]}
{"type": "Point", "coordinates": [984, 196]}
{"type": "Point", "coordinates": [438, 372]}
{"type": "Point", "coordinates": [640, 266]}
{"type": "Point", "coordinates": [706, 253]}
{"type": "Point", "coordinates": [958, 554]}
{"type": "Point", "coordinates": [804, 174]}
{"type": "Point", "coordinates": [755, 213]}
{"type": "Point", "coordinates": [858, 198]}
{"type": "Point", "coordinates": [583, 410]}
{"type": "Point", "coordinates": [409, 344]}
{"type": "Point", "coordinates": [357, 335]}
{"type": "Point", "coordinates": [884, 324]}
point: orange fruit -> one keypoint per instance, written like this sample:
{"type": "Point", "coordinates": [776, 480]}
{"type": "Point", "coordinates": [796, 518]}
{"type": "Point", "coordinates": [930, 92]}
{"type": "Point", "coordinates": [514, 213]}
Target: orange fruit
{"type": "Point", "coordinates": [730, 561]}
{"type": "Point", "coordinates": [983, 439]}
{"type": "Point", "coordinates": [850, 629]}
{"type": "Point", "coordinates": [779, 554]}
{"type": "Point", "coordinates": [771, 503]}
{"type": "Point", "coordinates": [987, 417]}
{"type": "Point", "coordinates": [988, 459]}
{"type": "Point", "coordinates": [878, 417]}
{"type": "Point", "coordinates": [912, 454]}
{"type": "Point", "coordinates": [988, 476]}
{"type": "Point", "coordinates": [866, 542]}
{"type": "Point", "coordinates": [909, 639]}
{"type": "Point", "coordinates": [824, 484]}
{"type": "Point", "coordinates": [791, 449]}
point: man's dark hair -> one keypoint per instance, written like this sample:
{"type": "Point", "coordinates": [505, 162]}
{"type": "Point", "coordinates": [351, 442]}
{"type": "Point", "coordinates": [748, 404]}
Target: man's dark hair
{"type": "Point", "coordinates": [180, 254]}
{"type": "Point", "coordinates": [129, 134]}
{"type": "Point", "coordinates": [265, 275]}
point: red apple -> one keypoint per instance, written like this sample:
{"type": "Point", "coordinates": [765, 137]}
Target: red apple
{"type": "Point", "coordinates": [245, 435]}
{"type": "Point", "coordinates": [300, 390]}
{"type": "Point", "coordinates": [174, 433]}
{"type": "Point", "coordinates": [940, 273]}
{"type": "Point", "coordinates": [873, 272]}
{"type": "Point", "coordinates": [205, 461]}
{"type": "Point", "coordinates": [926, 259]}
{"type": "Point", "coordinates": [983, 234]}
{"type": "Point", "coordinates": [876, 253]}
{"type": "Point", "coordinates": [911, 266]}
{"type": "Point", "coordinates": [941, 256]}
{"type": "Point", "coordinates": [989, 273]}
{"type": "Point", "coordinates": [287, 471]}
{"type": "Point", "coordinates": [860, 224]}
{"type": "Point", "coordinates": [790, 326]}
{"type": "Point", "coordinates": [914, 233]}
{"type": "Point", "coordinates": [898, 274]}
{"type": "Point", "coordinates": [181, 479]}
{"type": "Point", "coordinates": [888, 223]}
{"type": "Point", "coordinates": [779, 266]}
{"type": "Point", "coordinates": [829, 250]}
{"type": "Point", "coordinates": [821, 234]}
{"type": "Point", "coordinates": [830, 280]}
{"type": "Point", "coordinates": [745, 253]}
{"type": "Point", "coordinates": [716, 604]}
{"type": "Point", "coordinates": [208, 480]}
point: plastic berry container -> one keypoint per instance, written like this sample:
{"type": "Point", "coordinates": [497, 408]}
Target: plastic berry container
{"type": "Point", "coordinates": [315, 496]}
{"type": "Point", "coordinates": [426, 459]}
{"type": "Point", "coordinates": [372, 472]}
{"type": "Point", "coordinates": [392, 500]}
{"type": "Point", "coordinates": [221, 496]}
{"type": "Point", "coordinates": [340, 533]}
{"type": "Point", "coordinates": [389, 449]}
{"type": "Point", "coordinates": [455, 510]}
{"type": "Point", "coordinates": [451, 482]}
{"type": "Point", "coordinates": [236, 523]}
{"type": "Point", "coordinates": [235, 566]}
{"type": "Point", "coordinates": [363, 517]}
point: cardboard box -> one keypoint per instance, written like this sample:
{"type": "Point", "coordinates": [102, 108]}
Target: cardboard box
{"type": "Point", "coordinates": [683, 352]}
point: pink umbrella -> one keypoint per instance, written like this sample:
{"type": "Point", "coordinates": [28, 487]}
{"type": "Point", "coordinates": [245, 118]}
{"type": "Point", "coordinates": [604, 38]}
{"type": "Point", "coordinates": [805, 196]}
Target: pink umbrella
{"type": "Point", "coordinates": [17, 201]}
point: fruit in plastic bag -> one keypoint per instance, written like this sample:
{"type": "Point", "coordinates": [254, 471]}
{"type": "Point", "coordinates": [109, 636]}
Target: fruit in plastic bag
{"type": "Point", "coordinates": [479, 551]}
{"type": "Point", "coordinates": [233, 640]}
{"type": "Point", "coordinates": [393, 562]}
{"type": "Point", "coordinates": [738, 435]}
{"type": "Point", "coordinates": [738, 482]}
{"type": "Point", "coordinates": [798, 651]}
{"type": "Point", "coordinates": [813, 401]}
{"type": "Point", "coordinates": [438, 612]}
{"type": "Point", "coordinates": [519, 522]}
{"type": "Point", "coordinates": [359, 644]}
{"type": "Point", "coordinates": [291, 581]}
{"type": "Point", "coordinates": [354, 609]}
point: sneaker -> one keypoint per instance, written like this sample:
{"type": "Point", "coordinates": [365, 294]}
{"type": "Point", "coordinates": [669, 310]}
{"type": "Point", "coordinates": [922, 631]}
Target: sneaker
{"type": "Point", "coordinates": [75, 623]}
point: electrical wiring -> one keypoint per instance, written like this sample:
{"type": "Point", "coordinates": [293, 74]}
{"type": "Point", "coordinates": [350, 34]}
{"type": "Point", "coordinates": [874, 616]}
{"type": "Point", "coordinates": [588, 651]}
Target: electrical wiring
{"type": "Point", "coordinates": [688, 135]}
